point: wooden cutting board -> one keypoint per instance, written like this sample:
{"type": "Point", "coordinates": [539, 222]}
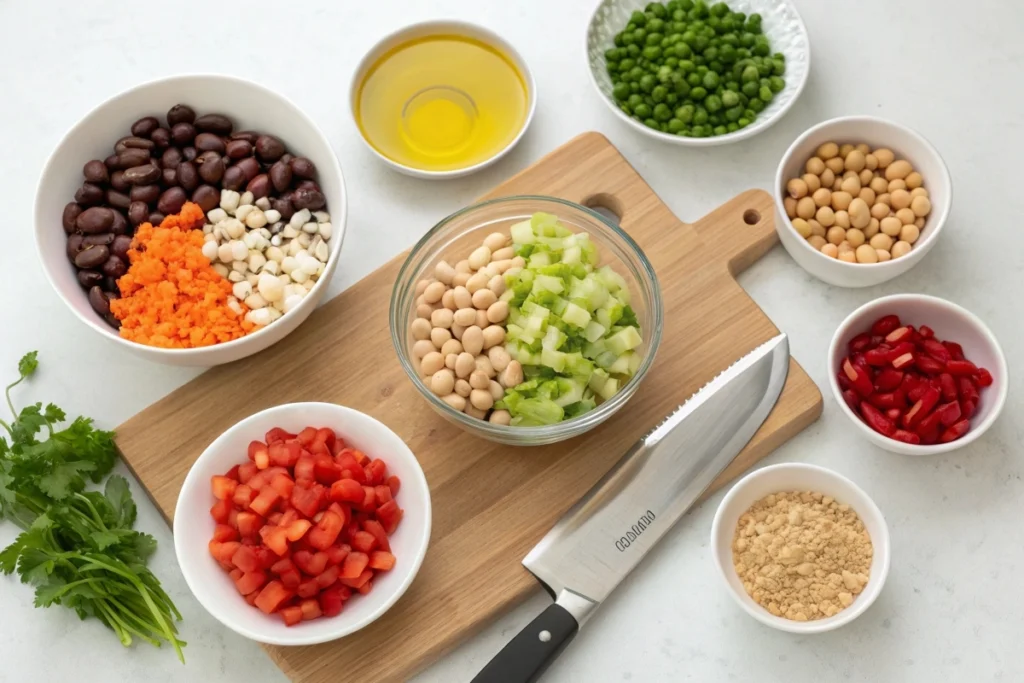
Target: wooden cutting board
{"type": "Point", "coordinates": [491, 503]}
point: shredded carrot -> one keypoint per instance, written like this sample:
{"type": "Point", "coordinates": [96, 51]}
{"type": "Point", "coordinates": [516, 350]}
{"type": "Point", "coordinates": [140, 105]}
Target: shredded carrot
{"type": "Point", "coordinates": [171, 296]}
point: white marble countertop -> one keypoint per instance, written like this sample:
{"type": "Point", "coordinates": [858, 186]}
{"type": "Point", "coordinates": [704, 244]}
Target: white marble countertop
{"type": "Point", "coordinates": [951, 610]}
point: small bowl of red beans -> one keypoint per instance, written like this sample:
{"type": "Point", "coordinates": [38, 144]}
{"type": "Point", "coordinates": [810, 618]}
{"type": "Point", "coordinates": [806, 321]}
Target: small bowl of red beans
{"type": "Point", "coordinates": [917, 375]}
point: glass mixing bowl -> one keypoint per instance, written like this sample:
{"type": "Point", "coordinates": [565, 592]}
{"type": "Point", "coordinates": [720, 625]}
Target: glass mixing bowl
{"type": "Point", "coordinates": [459, 234]}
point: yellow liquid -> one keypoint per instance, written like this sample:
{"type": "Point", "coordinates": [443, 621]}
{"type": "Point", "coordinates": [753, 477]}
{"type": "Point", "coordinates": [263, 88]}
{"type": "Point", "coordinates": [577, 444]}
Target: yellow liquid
{"type": "Point", "coordinates": [441, 103]}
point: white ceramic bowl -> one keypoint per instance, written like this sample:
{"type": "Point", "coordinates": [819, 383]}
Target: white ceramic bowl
{"type": "Point", "coordinates": [876, 132]}
{"type": "Point", "coordinates": [781, 23]}
{"type": "Point", "coordinates": [250, 106]}
{"type": "Point", "coordinates": [435, 28]}
{"type": "Point", "coordinates": [950, 322]}
{"type": "Point", "coordinates": [193, 525]}
{"type": "Point", "coordinates": [798, 477]}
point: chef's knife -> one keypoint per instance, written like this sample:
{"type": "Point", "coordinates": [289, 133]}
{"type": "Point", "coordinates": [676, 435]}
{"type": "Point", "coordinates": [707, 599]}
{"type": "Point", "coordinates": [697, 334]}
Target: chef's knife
{"type": "Point", "coordinates": [606, 534]}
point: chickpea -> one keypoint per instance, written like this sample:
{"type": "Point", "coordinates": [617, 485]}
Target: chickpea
{"type": "Point", "coordinates": [503, 254]}
{"type": "Point", "coordinates": [476, 282]}
{"type": "Point", "coordinates": [906, 215]}
{"type": "Point", "coordinates": [883, 255]}
{"type": "Point", "coordinates": [835, 164]}
{"type": "Point", "coordinates": [865, 177]}
{"type": "Point", "coordinates": [421, 348]}
{"type": "Point", "coordinates": [497, 393]}
{"type": "Point", "coordinates": [816, 228]}
{"type": "Point", "coordinates": [464, 364]}
{"type": "Point", "coordinates": [870, 162]}
{"type": "Point", "coordinates": [423, 310]}
{"type": "Point", "coordinates": [896, 185]}
{"type": "Point", "coordinates": [812, 181]}
{"type": "Point", "coordinates": [828, 178]}
{"type": "Point", "coordinates": [816, 241]}
{"type": "Point", "coordinates": [863, 148]}
{"type": "Point", "coordinates": [463, 299]}
{"type": "Point", "coordinates": [881, 241]}
{"type": "Point", "coordinates": [879, 210]}
{"type": "Point", "coordinates": [495, 241]}
{"type": "Point", "coordinates": [814, 165]}
{"type": "Point", "coordinates": [465, 317]}
{"type": "Point", "coordinates": [851, 186]}
{"type": "Point", "coordinates": [802, 227]}
{"type": "Point", "coordinates": [842, 219]}
{"type": "Point", "coordinates": [431, 363]}
{"type": "Point", "coordinates": [898, 170]}
{"type": "Point", "coordinates": [497, 312]}
{"type": "Point", "coordinates": [448, 300]}
{"type": "Point", "coordinates": [885, 156]}
{"type": "Point", "coordinates": [866, 254]}
{"type": "Point", "coordinates": [825, 216]}
{"type": "Point", "coordinates": [845, 246]}
{"type": "Point", "coordinates": [497, 285]}
{"type": "Point", "coordinates": [845, 149]}
{"type": "Point", "coordinates": [499, 358]}
{"type": "Point", "coordinates": [444, 272]}
{"type": "Point", "coordinates": [483, 364]}
{"type": "Point", "coordinates": [493, 335]}
{"type": "Point", "coordinates": [879, 185]}
{"type": "Point", "coordinates": [420, 327]}
{"type": "Point", "coordinates": [901, 248]}
{"type": "Point", "coordinates": [483, 298]}
{"type": "Point", "coordinates": [921, 206]}
{"type": "Point", "coordinates": [841, 200]}
{"type": "Point", "coordinates": [512, 375]}
{"type": "Point", "coordinates": [855, 237]}
{"type": "Point", "coordinates": [899, 199]}
{"type": "Point", "coordinates": [891, 225]}
{"type": "Point", "coordinates": [500, 417]}
{"type": "Point", "coordinates": [860, 214]}
{"type": "Point", "coordinates": [796, 188]}
{"type": "Point", "coordinates": [837, 184]}
{"type": "Point", "coordinates": [789, 204]}
{"type": "Point", "coordinates": [909, 233]}
{"type": "Point", "coordinates": [919, 223]}
{"type": "Point", "coordinates": [914, 180]}
{"type": "Point", "coordinates": [805, 208]}
{"type": "Point", "coordinates": [830, 250]}
{"type": "Point", "coordinates": [884, 198]}
{"type": "Point", "coordinates": [827, 150]}
{"type": "Point", "coordinates": [478, 379]}
{"type": "Point", "coordinates": [457, 331]}
{"type": "Point", "coordinates": [460, 279]}
{"type": "Point", "coordinates": [835, 235]}
{"type": "Point", "coordinates": [462, 388]}
{"type": "Point", "coordinates": [868, 195]}
{"type": "Point", "coordinates": [474, 412]}
{"type": "Point", "coordinates": [442, 382]}
{"type": "Point", "coordinates": [918, 192]}
{"type": "Point", "coordinates": [421, 286]}
{"type": "Point", "coordinates": [822, 197]}
{"type": "Point", "coordinates": [473, 340]}
{"type": "Point", "coordinates": [872, 229]}
{"type": "Point", "coordinates": [451, 347]}
{"type": "Point", "coordinates": [455, 401]}
{"type": "Point", "coordinates": [848, 256]}
{"type": "Point", "coordinates": [463, 267]}
{"type": "Point", "coordinates": [481, 319]}
{"type": "Point", "coordinates": [449, 361]}
{"type": "Point", "coordinates": [855, 161]}
{"type": "Point", "coordinates": [439, 336]}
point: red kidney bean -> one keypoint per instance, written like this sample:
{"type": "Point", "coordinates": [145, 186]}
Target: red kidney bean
{"type": "Point", "coordinates": [111, 162]}
{"type": "Point", "coordinates": [203, 156]}
{"type": "Point", "coordinates": [286, 158]}
{"type": "Point", "coordinates": [169, 177]}
{"type": "Point", "coordinates": [183, 134]}
{"type": "Point", "coordinates": [73, 246]}
{"type": "Point", "coordinates": [144, 127]}
{"type": "Point", "coordinates": [171, 200]}
{"type": "Point", "coordinates": [114, 267]}
{"type": "Point", "coordinates": [188, 177]}
{"type": "Point", "coordinates": [88, 278]}
{"type": "Point", "coordinates": [239, 149]}
{"type": "Point", "coordinates": [259, 186]}
{"type": "Point", "coordinates": [105, 239]}
{"type": "Point", "coordinates": [161, 137]}
{"type": "Point", "coordinates": [109, 284]}
{"type": "Point", "coordinates": [120, 246]}
{"type": "Point", "coordinates": [98, 302]}
{"type": "Point", "coordinates": [303, 167]}
{"type": "Point", "coordinates": [283, 205]}
{"type": "Point", "coordinates": [180, 113]}
{"type": "Point", "coordinates": [306, 198]}
{"type": "Point", "coordinates": [145, 193]}
{"type": "Point", "coordinates": [120, 224]}
{"type": "Point", "coordinates": [95, 171]}
{"type": "Point", "coordinates": [89, 194]}
{"type": "Point", "coordinates": [247, 135]}
{"type": "Point", "coordinates": [189, 153]}
{"type": "Point", "coordinates": [214, 123]}
{"type": "Point", "coordinates": [92, 256]}
{"type": "Point", "coordinates": [281, 176]}
{"type": "Point", "coordinates": [234, 178]}
{"type": "Point", "coordinates": [212, 170]}
{"type": "Point", "coordinates": [207, 197]}
{"type": "Point", "coordinates": [138, 212]}
{"type": "Point", "coordinates": [172, 156]}
{"type": "Point", "coordinates": [156, 218]}
{"type": "Point", "coordinates": [133, 142]}
{"type": "Point", "coordinates": [250, 167]}
{"type": "Point", "coordinates": [208, 142]}
{"type": "Point", "coordinates": [132, 157]}
{"type": "Point", "coordinates": [95, 220]}
{"type": "Point", "coordinates": [269, 148]}
{"type": "Point", "coordinates": [118, 200]}
{"type": "Point", "coordinates": [71, 212]}
{"type": "Point", "coordinates": [118, 182]}
{"type": "Point", "coordinates": [146, 174]}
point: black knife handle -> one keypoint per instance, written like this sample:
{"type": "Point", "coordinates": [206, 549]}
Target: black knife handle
{"type": "Point", "coordinates": [526, 657]}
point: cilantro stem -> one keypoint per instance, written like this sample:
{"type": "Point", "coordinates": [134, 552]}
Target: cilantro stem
{"type": "Point", "coordinates": [95, 515]}
{"type": "Point", "coordinates": [7, 426]}
{"type": "Point", "coordinates": [7, 393]}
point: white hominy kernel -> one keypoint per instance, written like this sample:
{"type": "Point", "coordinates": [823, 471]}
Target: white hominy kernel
{"type": "Point", "coordinates": [293, 248]}
{"type": "Point", "coordinates": [272, 267]}
{"type": "Point", "coordinates": [289, 264]}
{"type": "Point", "coordinates": [308, 263]}
{"type": "Point", "coordinates": [254, 300]}
{"type": "Point", "coordinates": [276, 241]}
{"type": "Point", "coordinates": [310, 227]}
{"type": "Point", "coordinates": [292, 289]}
{"type": "Point", "coordinates": [251, 239]}
{"type": "Point", "coordinates": [290, 231]}
{"type": "Point", "coordinates": [256, 219]}
{"type": "Point", "coordinates": [321, 216]}
{"type": "Point", "coordinates": [235, 276]}
{"type": "Point", "coordinates": [234, 305]}
{"type": "Point", "coordinates": [263, 203]}
{"type": "Point", "coordinates": [218, 234]}
{"type": "Point", "coordinates": [272, 215]}
{"type": "Point", "coordinates": [259, 316]}
{"type": "Point", "coordinates": [239, 266]}
{"type": "Point", "coordinates": [299, 275]}
{"type": "Point", "coordinates": [229, 200]}
{"type": "Point", "coordinates": [285, 281]}
{"type": "Point", "coordinates": [299, 218]}
{"type": "Point", "coordinates": [279, 305]}
{"type": "Point", "coordinates": [246, 198]}
{"type": "Point", "coordinates": [326, 230]}
{"type": "Point", "coordinates": [252, 278]}
{"type": "Point", "coordinates": [308, 285]}
{"type": "Point", "coordinates": [216, 215]}
{"type": "Point", "coordinates": [210, 238]}
{"type": "Point", "coordinates": [221, 269]}
{"type": "Point", "coordinates": [320, 269]}
{"type": "Point", "coordinates": [224, 252]}
{"type": "Point", "coordinates": [322, 252]}
{"type": "Point", "coordinates": [256, 261]}
{"type": "Point", "coordinates": [208, 229]}
{"type": "Point", "coordinates": [265, 233]}
{"type": "Point", "coordinates": [304, 240]}
{"type": "Point", "coordinates": [274, 313]}
{"type": "Point", "coordinates": [270, 287]}
{"type": "Point", "coordinates": [291, 302]}
{"type": "Point", "coordinates": [276, 228]}
{"type": "Point", "coordinates": [238, 250]}
{"type": "Point", "coordinates": [274, 254]}
{"type": "Point", "coordinates": [210, 249]}
{"type": "Point", "coordinates": [242, 290]}
{"type": "Point", "coordinates": [242, 212]}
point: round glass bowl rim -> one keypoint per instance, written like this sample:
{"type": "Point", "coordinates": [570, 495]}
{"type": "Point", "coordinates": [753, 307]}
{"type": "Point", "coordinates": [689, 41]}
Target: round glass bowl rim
{"type": "Point", "coordinates": [566, 428]}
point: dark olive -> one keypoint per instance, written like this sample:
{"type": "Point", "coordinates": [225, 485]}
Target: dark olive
{"type": "Point", "coordinates": [145, 126]}
{"type": "Point", "coordinates": [169, 177]}
{"type": "Point", "coordinates": [207, 197]}
{"type": "Point", "coordinates": [172, 156]}
{"type": "Point", "coordinates": [250, 167]}
{"type": "Point", "coordinates": [239, 149]}
{"type": "Point", "coordinates": [259, 186]}
{"type": "Point", "coordinates": [114, 267]}
{"type": "Point", "coordinates": [118, 200]}
{"type": "Point", "coordinates": [146, 174]}
{"type": "Point", "coordinates": [306, 198]}
{"type": "Point", "coordinates": [109, 284]}
{"type": "Point", "coordinates": [180, 113]}
{"type": "Point", "coordinates": [145, 193]}
{"type": "Point", "coordinates": [188, 178]}
{"type": "Point", "coordinates": [161, 137]}
{"type": "Point", "coordinates": [89, 194]}
{"type": "Point", "coordinates": [71, 212]}
{"type": "Point", "coordinates": [183, 134]}
{"type": "Point", "coordinates": [111, 162]}
{"type": "Point", "coordinates": [89, 278]}
{"type": "Point", "coordinates": [133, 142]}
{"type": "Point", "coordinates": [95, 171]}
{"type": "Point", "coordinates": [121, 245]}
{"type": "Point", "coordinates": [205, 156]}
{"type": "Point", "coordinates": [95, 220]}
{"type": "Point", "coordinates": [120, 224]}
{"type": "Point", "coordinates": [269, 148]}
{"type": "Point", "coordinates": [171, 200]}
{"type": "Point", "coordinates": [189, 153]}
{"type": "Point", "coordinates": [74, 245]}
{"type": "Point", "coordinates": [302, 167]}
{"type": "Point", "coordinates": [91, 257]}
{"type": "Point", "coordinates": [118, 182]}
{"type": "Point", "coordinates": [137, 213]}
{"type": "Point", "coordinates": [212, 170]}
{"type": "Point", "coordinates": [156, 161]}
{"type": "Point", "coordinates": [283, 205]}
{"type": "Point", "coordinates": [214, 123]}
{"type": "Point", "coordinates": [132, 157]}
{"type": "Point", "coordinates": [208, 142]}
{"type": "Point", "coordinates": [156, 218]}
{"type": "Point", "coordinates": [280, 176]}
{"type": "Point", "coordinates": [307, 185]}
{"type": "Point", "coordinates": [234, 178]}
{"type": "Point", "coordinates": [102, 240]}
{"type": "Point", "coordinates": [247, 135]}
{"type": "Point", "coordinates": [286, 158]}
{"type": "Point", "coordinates": [99, 302]}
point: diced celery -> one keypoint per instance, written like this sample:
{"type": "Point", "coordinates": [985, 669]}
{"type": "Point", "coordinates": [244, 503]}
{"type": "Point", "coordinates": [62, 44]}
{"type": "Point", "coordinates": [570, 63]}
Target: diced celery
{"type": "Point", "coordinates": [571, 391]}
{"type": "Point", "coordinates": [621, 364]}
{"type": "Point", "coordinates": [548, 283]}
{"type": "Point", "coordinates": [610, 388]}
{"type": "Point", "coordinates": [612, 280]}
{"type": "Point", "coordinates": [553, 359]}
{"type": "Point", "coordinates": [558, 305]}
{"type": "Point", "coordinates": [594, 349]}
{"type": "Point", "coordinates": [626, 339]}
{"type": "Point", "coordinates": [606, 360]}
{"type": "Point", "coordinates": [534, 327]}
{"type": "Point", "coordinates": [594, 331]}
{"type": "Point", "coordinates": [597, 380]}
{"type": "Point", "coordinates": [572, 255]}
{"type": "Point", "coordinates": [574, 315]}
{"type": "Point", "coordinates": [547, 224]}
{"type": "Point", "coordinates": [539, 258]}
{"type": "Point", "coordinates": [553, 339]}
{"type": "Point", "coordinates": [634, 364]}
{"type": "Point", "coordinates": [578, 366]}
{"type": "Point", "coordinates": [522, 233]}
{"type": "Point", "coordinates": [576, 409]}
{"type": "Point", "coordinates": [532, 412]}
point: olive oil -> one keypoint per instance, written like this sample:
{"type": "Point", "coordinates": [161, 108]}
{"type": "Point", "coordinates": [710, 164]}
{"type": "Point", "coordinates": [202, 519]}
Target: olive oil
{"type": "Point", "coordinates": [441, 103]}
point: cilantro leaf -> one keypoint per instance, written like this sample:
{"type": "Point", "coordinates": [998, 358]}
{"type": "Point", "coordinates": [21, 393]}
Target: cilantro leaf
{"type": "Point", "coordinates": [35, 565]}
{"type": "Point", "coordinates": [28, 364]}
{"type": "Point", "coordinates": [30, 420]}
{"type": "Point", "coordinates": [144, 546]}
{"type": "Point", "coordinates": [53, 414]}
{"type": "Point", "coordinates": [628, 318]}
{"type": "Point", "coordinates": [50, 592]}
{"type": "Point", "coordinates": [101, 540]}
{"type": "Point", "coordinates": [65, 479]}
{"type": "Point", "coordinates": [119, 496]}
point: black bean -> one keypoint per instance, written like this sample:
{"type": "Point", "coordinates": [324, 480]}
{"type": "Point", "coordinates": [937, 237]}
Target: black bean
{"type": "Point", "coordinates": [89, 194]}
{"type": "Point", "coordinates": [169, 177]}
{"type": "Point", "coordinates": [120, 246]}
{"type": "Point", "coordinates": [145, 193]}
{"type": "Point", "coordinates": [214, 123]}
{"type": "Point", "coordinates": [114, 267]}
{"type": "Point", "coordinates": [99, 302]}
{"type": "Point", "coordinates": [239, 149]}
{"type": "Point", "coordinates": [120, 224]}
{"type": "Point", "coordinates": [203, 156]}
{"type": "Point", "coordinates": [89, 278]}
{"type": "Point", "coordinates": [171, 200]}
{"type": "Point", "coordinates": [95, 171]}
{"type": "Point", "coordinates": [172, 156]}
{"type": "Point", "coordinates": [145, 126]}
{"type": "Point", "coordinates": [212, 170]}
{"type": "Point", "coordinates": [234, 178]}
{"type": "Point", "coordinates": [188, 178]}
{"type": "Point", "coordinates": [250, 167]}
{"type": "Point", "coordinates": [269, 148]}
{"type": "Point", "coordinates": [307, 198]}
{"type": "Point", "coordinates": [259, 186]}
{"type": "Point", "coordinates": [71, 212]}
{"type": "Point", "coordinates": [112, 321]}
{"type": "Point", "coordinates": [283, 205]}
{"type": "Point", "coordinates": [189, 153]}
{"type": "Point", "coordinates": [208, 142]}
{"type": "Point", "coordinates": [161, 137]}
{"type": "Point", "coordinates": [307, 185]}
{"type": "Point", "coordinates": [207, 197]}
{"type": "Point", "coordinates": [286, 158]}
{"type": "Point", "coordinates": [156, 218]}
{"type": "Point", "coordinates": [118, 200]}
{"type": "Point", "coordinates": [183, 134]}
{"type": "Point", "coordinates": [137, 213]}
{"type": "Point", "coordinates": [133, 142]}
{"type": "Point", "coordinates": [92, 256]}
{"type": "Point", "coordinates": [146, 174]}
{"type": "Point", "coordinates": [280, 176]}
{"type": "Point", "coordinates": [180, 113]}
{"type": "Point", "coordinates": [73, 246]}
{"type": "Point", "coordinates": [95, 220]}
{"type": "Point", "coordinates": [131, 158]}
{"type": "Point", "coordinates": [247, 135]}
{"type": "Point", "coordinates": [118, 182]}
{"type": "Point", "coordinates": [105, 239]}
{"type": "Point", "coordinates": [111, 162]}
{"type": "Point", "coordinates": [303, 167]}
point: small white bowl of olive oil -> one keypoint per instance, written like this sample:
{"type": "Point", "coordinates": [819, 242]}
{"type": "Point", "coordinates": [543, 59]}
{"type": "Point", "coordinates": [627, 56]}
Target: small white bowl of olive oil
{"type": "Point", "coordinates": [442, 99]}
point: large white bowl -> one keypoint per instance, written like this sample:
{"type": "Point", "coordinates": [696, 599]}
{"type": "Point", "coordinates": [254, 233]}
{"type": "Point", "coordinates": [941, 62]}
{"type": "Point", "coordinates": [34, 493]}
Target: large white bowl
{"type": "Point", "coordinates": [798, 477]}
{"type": "Point", "coordinates": [781, 23]}
{"type": "Point", "coordinates": [250, 106]}
{"type": "Point", "coordinates": [441, 28]}
{"type": "Point", "coordinates": [950, 322]}
{"type": "Point", "coordinates": [193, 525]}
{"type": "Point", "coordinates": [876, 132]}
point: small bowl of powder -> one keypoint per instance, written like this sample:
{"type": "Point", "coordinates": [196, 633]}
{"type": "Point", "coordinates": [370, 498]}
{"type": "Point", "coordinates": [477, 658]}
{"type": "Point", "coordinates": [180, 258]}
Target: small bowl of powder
{"type": "Point", "coordinates": [802, 548]}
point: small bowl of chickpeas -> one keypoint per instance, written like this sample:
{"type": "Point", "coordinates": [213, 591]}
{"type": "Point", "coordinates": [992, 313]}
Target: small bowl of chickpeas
{"type": "Point", "coordinates": [860, 200]}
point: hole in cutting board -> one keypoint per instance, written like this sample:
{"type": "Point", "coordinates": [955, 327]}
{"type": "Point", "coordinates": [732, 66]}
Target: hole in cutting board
{"type": "Point", "coordinates": [606, 205]}
{"type": "Point", "coordinates": [751, 217]}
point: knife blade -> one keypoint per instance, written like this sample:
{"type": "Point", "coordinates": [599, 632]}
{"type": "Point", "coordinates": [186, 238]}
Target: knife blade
{"type": "Point", "coordinates": [606, 534]}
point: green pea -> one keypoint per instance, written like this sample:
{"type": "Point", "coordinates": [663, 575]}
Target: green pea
{"type": "Point", "coordinates": [620, 91]}
{"type": "Point", "coordinates": [750, 88]}
{"type": "Point", "coordinates": [678, 15]}
{"type": "Point", "coordinates": [755, 19]}
{"type": "Point", "coordinates": [653, 39]}
{"type": "Point", "coordinates": [727, 54]}
{"type": "Point", "coordinates": [776, 84]}
{"type": "Point", "coordinates": [685, 113]}
{"type": "Point", "coordinates": [636, 73]}
{"type": "Point", "coordinates": [635, 99]}
{"type": "Point", "coordinates": [699, 60]}
{"type": "Point", "coordinates": [698, 93]}
{"type": "Point", "coordinates": [682, 88]}
{"type": "Point", "coordinates": [720, 130]}
{"type": "Point", "coordinates": [618, 40]}
{"type": "Point", "coordinates": [626, 64]}
{"type": "Point", "coordinates": [761, 48]}
{"type": "Point", "coordinates": [756, 104]}
{"type": "Point", "coordinates": [682, 50]}
{"type": "Point", "coordinates": [764, 69]}
{"type": "Point", "coordinates": [642, 110]}
{"type": "Point", "coordinates": [628, 39]}
{"type": "Point", "coordinates": [651, 123]}
{"type": "Point", "coordinates": [712, 103]}
{"type": "Point", "coordinates": [778, 67]}
{"type": "Point", "coordinates": [658, 9]}
{"type": "Point", "coordinates": [751, 27]}
{"type": "Point", "coordinates": [677, 27]}
{"type": "Point", "coordinates": [638, 18]}
{"type": "Point", "coordinates": [652, 53]}
{"type": "Point", "coordinates": [672, 5]}
{"type": "Point", "coordinates": [690, 38]}
{"type": "Point", "coordinates": [700, 44]}
{"type": "Point", "coordinates": [715, 119]}
{"type": "Point", "coordinates": [700, 117]}
{"type": "Point", "coordinates": [647, 83]}
{"type": "Point", "coordinates": [671, 99]}
{"type": "Point", "coordinates": [672, 62]}
{"type": "Point", "coordinates": [742, 53]}
{"type": "Point", "coordinates": [765, 94]}
{"type": "Point", "coordinates": [733, 113]}
{"type": "Point", "coordinates": [749, 114]}
{"type": "Point", "coordinates": [633, 50]}
{"type": "Point", "coordinates": [655, 24]}
{"type": "Point", "coordinates": [716, 66]}
{"type": "Point", "coordinates": [747, 40]}
{"type": "Point", "coordinates": [711, 80]}
{"type": "Point", "coordinates": [730, 98]}
{"type": "Point", "coordinates": [750, 74]}
{"type": "Point", "coordinates": [626, 108]}
{"type": "Point", "coordinates": [739, 17]}
{"type": "Point", "coordinates": [612, 54]}
{"type": "Point", "coordinates": [686, 5]}
{"type": "Point", "coordinates": [732, 127]}
{"type": "Point", "coordinates": [715, 23]}
{"type": "Point", "coordinates": [694, 78]}
{"type": "Point", "coordinates": [634, 87]}
{"type": "Point", "coordinates": [674, 125]}
{"type": "Point", "coordinates": [659, 92]}
{"type": "Point", "coordinates": [744, 122]}
{"type": "Point", "coordinates": [662, 112]}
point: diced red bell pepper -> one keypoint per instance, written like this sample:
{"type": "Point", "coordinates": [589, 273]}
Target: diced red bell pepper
{"type": "Point", "coordinates": [221, 511]}
{"type": "Point", "coordinates": [984, 378]}
{"type": "Point", "coordinates": [325, 470]}
{"type": "Point", "coordinates": [369, 499]}
{"type": "Point", "coordinates": [906, 437]}
{"type": "Point", "coordinates": [948, 413]}
{"type": "Point", "coordinates": [859, 379]}
{"type": "Point", "coordinates": [903, 360]}
{"type": "Point", "coordinates": [955, 350]}
{"type": "Point", "coordinates": [284, 454]}
{"type": "Point", "coordinates": [364, 542]}
{"type": "Point", "coordinates": [275, 538]}
{"type": "Point", "coordinates": [251, 581]}
{"type": "Point", "coordinates": [852, 399]}
{"type": "Point", "coordinates": [223, 552]}
{"type": "Point", "coordinates": [921, 408]}
{"type": "Point", "coordinates": [376, 472]}
{"type": "Point", "coordinates": [277, 435]}
{"type": "Point", "coordinates": [888, 400]}
{"type": "Point", "coordinates": [336, 554]}
{"type": "Point", "coordinates": [308, 589]}
{"type": "Point", "coordinates": [936, 350]}
{"type": "Point", "coordinates": [331, 601]}
{"type": "Point", "coordinates": [223, 487]}
{"type": "Point", "coordinates": [389, 515]}
{"type": "Point", "coordinates": [225, 532]}
{"type": "Point", "coordinates": [306, 436]}
{"type": "Point", "coordinates": [283, 484]}
{"type": "Point", "coordinates": [291, 615]}
{"type": "Point", "coordinates": [358, 581]}
{"type": "Point", "coordinates": [323, 535]}
{"type": "Point", "coordinates": [929, 365]}
{"type": "Point", "coordinates": [947, 387]}
{"type": "Point", "coordinates": [958, 368]}
{"type": "Point", "coordinates": [967, 388]}
{"type": "Point", "coordinates": [967, 408]}
{"type": "Point", "coordinates": [328, 576]}
{"type": "Point", "coordinates": [256, 447]}
{"type": "Point", "coordinates": [291, 579]}
{"type": "Point", "coordinates": [888, 379]}
{"type": "Point", "coordinates": [243, 496]}
{"type": "Point", "coordinates": [860, 343]}
{"type": "Point", "coordinates": [843, 381]}
{"type": "Point", "coordinates": [382, 560]}
{"type": "Point", "coordinates": [872, 416]}
{"type": "Point", "coordinates": [893, 414]}
{"type": "Point", "coordinates": [264, 502]}
{"type": "Point", "coordinates": [245, 559]}
{"type": "Point", "coordinates": [327, 437]}
{"type": "Point", "coordinates": [273, 595]}
{"type": "Point", "coordinates": [383, 492]}
{"type": "Point", "coordinates": [267, 557]}
{"type": "Point", "coordinates": [247, 471]}
{"type": "Point", "coordinates": [312, 564]}
{"type": "Point", "coordinates": [249, 524]}
{"type": "Point", "coordinates": [347, 491]}
{"type": "Point", "coordinates": [305, 468]}
{"type": "Point", "coordinates": [956, 431]}
{"type": "Point", "coordinates": [394, 483]}
{"type": "Point", "coordinates": [298, 529]}
{"type": "Point", "coordinates": [354, 565]}
{"type": "Point", "coordinates": [366, 587]}
{"type": "Point", "coordinates": [305, 500]}
{"type": "Point", "coordinates": [885, 325]}
{"type": "Point", "coordinates": [310, 609]}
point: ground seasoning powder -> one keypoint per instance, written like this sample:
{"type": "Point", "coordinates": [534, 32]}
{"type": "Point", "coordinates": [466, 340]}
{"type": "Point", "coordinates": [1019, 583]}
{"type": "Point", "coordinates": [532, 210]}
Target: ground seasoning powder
{"type": "Point", "coordinates": [802, 555]}
{"type": "Point", "coordinates": [171, 296]}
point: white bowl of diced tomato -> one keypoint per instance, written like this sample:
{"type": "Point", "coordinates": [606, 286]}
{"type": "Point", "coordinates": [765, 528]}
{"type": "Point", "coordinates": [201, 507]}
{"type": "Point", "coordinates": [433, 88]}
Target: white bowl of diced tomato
{"type": "Point", "coordinates": [302, 523]}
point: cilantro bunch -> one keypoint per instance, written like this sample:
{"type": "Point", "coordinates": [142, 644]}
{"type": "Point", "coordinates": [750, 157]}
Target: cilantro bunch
{"type": "Point", "coordinates": [77, 547]}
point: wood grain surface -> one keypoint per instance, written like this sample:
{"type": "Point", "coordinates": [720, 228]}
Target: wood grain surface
{"type": "Point", "coordinates": [491, 503]}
